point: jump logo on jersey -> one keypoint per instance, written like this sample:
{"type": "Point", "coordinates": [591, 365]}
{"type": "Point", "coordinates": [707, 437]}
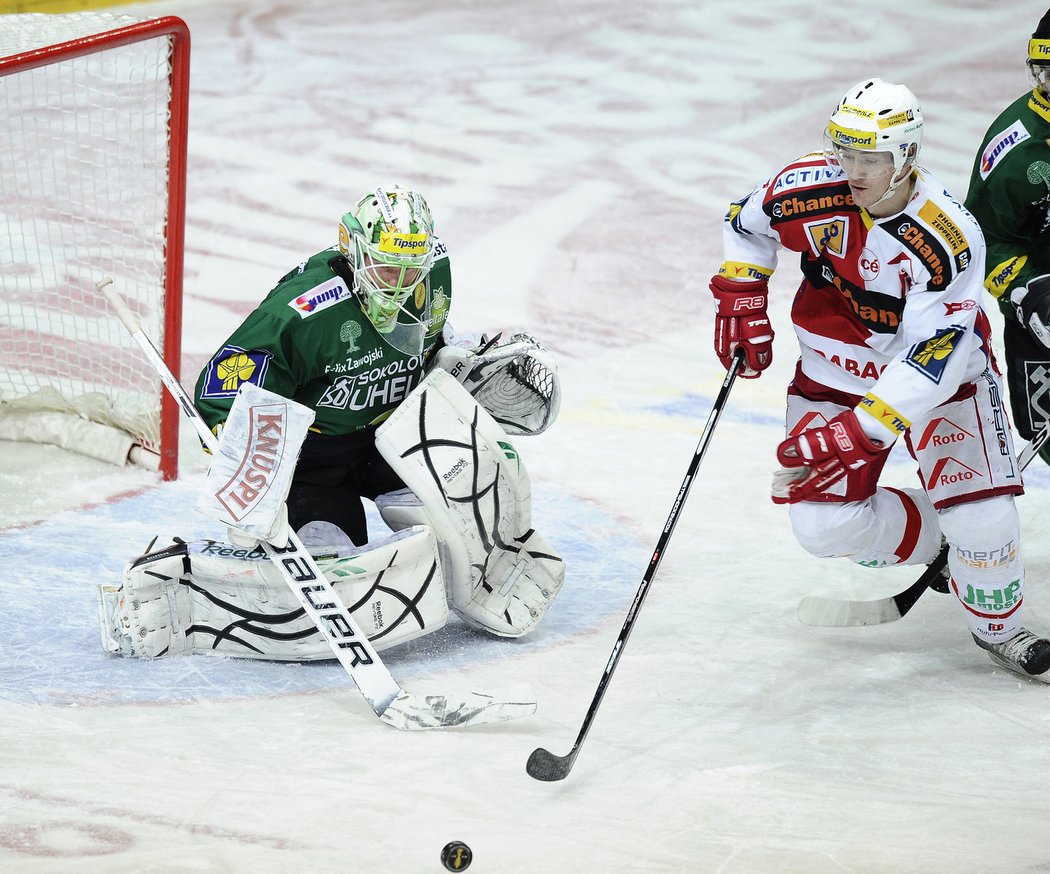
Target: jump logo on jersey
{"type": "Point", "coordinates": [930, 357]}
{"type": "Point", "coordinates": [320, 298]}
{"type": "Point", "coordinates": [233, 367]}
{"type": "Point", "coordinates": [1000, 145]}
{"type": "Point", "coordinates": [828, 235]}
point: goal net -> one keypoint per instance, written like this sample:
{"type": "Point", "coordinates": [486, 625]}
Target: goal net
{"type": "Point", "coordinates": [92, 184]}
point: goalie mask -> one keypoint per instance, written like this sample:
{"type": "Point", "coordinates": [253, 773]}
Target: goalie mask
{"type": "Point", "coordinates": [388, 238]}
{"type": "Point", "coordinates": [875, 122]}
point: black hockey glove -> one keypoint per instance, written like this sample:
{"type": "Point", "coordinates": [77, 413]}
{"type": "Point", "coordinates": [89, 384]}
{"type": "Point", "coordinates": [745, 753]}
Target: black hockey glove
{"type": "Point", "coordinates": [1032, 305]}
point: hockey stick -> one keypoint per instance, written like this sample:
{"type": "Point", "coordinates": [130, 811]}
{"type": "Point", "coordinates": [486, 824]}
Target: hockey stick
{"type": "Point", "coordinates": [543, 764]}
{"type": "Point", "coordinates": [349, 644]}
{"type": "Point", "coordinates": [841, 613]}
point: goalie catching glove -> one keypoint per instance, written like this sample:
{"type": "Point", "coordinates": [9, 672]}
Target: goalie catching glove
{"type": "Point", "coordinates": [741, 321]}
{"type": "Point", "coordinates": [819, 457]}
{"type": "Point", "coordinates": [516, 382]}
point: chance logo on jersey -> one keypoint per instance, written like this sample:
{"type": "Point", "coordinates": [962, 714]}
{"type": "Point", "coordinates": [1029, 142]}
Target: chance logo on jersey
{"type": "Point", "coordinates": [233, 367]}
{"type": "Point", "coordinates": [930, 357]}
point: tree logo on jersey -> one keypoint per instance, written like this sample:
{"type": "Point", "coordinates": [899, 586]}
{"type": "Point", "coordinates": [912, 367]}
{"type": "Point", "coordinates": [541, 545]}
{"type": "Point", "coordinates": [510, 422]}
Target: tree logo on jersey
{"type": "Point", "coordinates": [348, 333]}
{"type": "Point", "coordinates": [1039, 171]}
{"type": "Point", "coordinates": [828, 235]}
{"type": "Point", "coordinates": [930, 357]}
{"type": "Point", "coordinates": [231, 368]}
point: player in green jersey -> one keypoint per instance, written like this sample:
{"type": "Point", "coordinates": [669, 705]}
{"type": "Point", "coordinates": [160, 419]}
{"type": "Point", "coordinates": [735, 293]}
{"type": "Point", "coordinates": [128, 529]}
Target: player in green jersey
{"type": "Point", "coordinates": [346, 383]}
{"type": "Point", "coordinates": [1010, 197]}
{"type": "Point", "coordinates": [349, 334]}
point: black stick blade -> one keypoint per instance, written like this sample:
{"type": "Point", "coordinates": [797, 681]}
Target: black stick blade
{"type": "Point", "coordinates": [544, 765]}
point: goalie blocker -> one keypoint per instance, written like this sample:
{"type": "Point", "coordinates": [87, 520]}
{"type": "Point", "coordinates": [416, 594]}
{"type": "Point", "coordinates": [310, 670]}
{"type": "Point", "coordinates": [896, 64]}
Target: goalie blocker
{"type": "Point", "coordinates": [462, 536]}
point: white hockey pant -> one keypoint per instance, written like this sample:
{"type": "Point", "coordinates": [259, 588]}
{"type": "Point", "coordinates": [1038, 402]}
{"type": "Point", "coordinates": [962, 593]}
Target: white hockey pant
{"type": "Point", "coordinates": [894, 526]}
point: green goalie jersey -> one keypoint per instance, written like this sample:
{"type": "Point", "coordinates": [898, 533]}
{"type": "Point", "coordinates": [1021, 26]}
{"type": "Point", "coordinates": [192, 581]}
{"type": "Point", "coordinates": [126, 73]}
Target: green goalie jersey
{"type": "Point", "coordinates": [310, 341]}
{"type": "Point", "coordinates": [1010, 196]}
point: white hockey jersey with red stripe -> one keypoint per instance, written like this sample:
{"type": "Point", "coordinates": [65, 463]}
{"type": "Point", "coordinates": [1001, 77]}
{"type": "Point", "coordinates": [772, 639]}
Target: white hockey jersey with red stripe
{"type": "Point", "coordinates": [889, 309]}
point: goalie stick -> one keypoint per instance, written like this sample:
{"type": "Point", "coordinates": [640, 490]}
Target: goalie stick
{"type": "Point", "coordinates": [843, 613]}
{"type": "Point", "coordinates": [545, 765]}
{"type": "Point", "coordinates": [392, 704]}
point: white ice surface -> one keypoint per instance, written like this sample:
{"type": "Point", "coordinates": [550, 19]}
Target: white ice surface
{"type": "Point", "coordinates": [579, 157]}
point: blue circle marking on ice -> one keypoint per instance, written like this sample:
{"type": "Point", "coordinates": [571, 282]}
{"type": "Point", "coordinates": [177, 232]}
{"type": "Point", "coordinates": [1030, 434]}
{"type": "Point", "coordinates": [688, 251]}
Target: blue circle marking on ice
{"type": "Point", "coordinates": [50, 638]}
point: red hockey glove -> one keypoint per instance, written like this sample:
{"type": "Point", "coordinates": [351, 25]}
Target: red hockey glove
{"type": "Point", "coordinates": [741, 320]}
{"type": "Point", "coordinates": [819, 457]}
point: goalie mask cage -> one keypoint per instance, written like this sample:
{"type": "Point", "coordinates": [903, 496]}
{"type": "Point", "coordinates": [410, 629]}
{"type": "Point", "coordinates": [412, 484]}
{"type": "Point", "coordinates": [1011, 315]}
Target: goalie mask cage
{"type": "Point", "coordinates": [92, 184]}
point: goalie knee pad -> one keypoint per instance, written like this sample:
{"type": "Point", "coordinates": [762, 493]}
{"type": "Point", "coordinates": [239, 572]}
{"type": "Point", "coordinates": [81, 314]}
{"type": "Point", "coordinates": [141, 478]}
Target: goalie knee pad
{"type": "Point", "coordinates": [212, 598]}
{"type": "Point", "coordinates": [461, 466]}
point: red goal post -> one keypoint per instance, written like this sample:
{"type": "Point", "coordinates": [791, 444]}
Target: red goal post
{"type": "Point", "coordinates": [92, 183]}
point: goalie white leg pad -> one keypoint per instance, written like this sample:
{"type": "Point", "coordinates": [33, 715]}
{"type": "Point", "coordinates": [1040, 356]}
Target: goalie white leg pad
{"type": "Point", "coordinates": [216, 599]}
{"type": "Point", "coordinates": [461, 465]}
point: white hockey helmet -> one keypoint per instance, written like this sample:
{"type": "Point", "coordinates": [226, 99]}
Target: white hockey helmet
{"type": "Point", "coordinates": [1039, 55]}
{"type": "Point", "coordinates": [388, 238]}
{"type": "Point", "coordinates": [875, 116]}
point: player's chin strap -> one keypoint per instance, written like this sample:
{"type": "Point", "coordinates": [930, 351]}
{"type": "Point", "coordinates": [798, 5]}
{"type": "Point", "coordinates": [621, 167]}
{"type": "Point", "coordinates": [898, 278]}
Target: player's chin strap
{"type": "Point", "coordinates": [516, 381]}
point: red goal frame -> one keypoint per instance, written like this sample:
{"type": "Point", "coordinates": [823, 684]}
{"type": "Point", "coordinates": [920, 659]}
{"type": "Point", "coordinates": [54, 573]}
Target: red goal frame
{"type": "Point", "coordinates": [174, 235]}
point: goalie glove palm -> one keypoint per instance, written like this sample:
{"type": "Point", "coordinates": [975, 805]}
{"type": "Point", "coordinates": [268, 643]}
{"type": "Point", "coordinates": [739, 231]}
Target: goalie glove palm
{"type": "Point", "coordinates": [818, 458]}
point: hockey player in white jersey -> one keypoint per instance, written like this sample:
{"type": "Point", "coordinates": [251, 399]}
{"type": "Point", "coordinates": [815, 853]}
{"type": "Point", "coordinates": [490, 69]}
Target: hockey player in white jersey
{"type": "Point", "coordinates": [894, 344]}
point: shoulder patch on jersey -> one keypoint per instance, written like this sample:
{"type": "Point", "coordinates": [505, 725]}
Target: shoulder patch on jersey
{"type": "Point", "coordinates": [231, 367]}
{"type": "Point", "coordinates": [999, 145]}
{"type": "Point", "coordinates": [930, 357]}
{"type": "Point", "coordinates": [320, 297]}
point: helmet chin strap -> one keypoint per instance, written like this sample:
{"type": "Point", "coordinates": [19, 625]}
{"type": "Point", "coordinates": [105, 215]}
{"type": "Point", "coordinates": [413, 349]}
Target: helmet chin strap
{"type": "Point", "coordinates": [896, 183]}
